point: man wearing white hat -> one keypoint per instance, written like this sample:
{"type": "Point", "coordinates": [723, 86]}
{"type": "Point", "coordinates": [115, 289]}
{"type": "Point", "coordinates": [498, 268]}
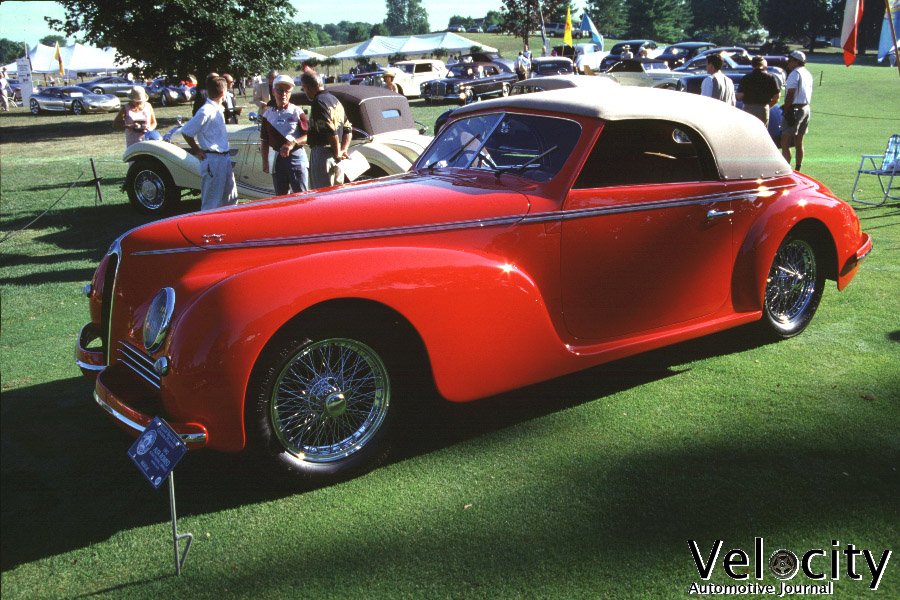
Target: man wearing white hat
{"type": "Point", "coordinates": [284, 128]}
{"type": "Point", "coordinates": [798, 93]}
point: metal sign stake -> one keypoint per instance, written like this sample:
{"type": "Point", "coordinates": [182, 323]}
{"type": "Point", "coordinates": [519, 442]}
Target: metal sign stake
{"type": "Point", "coordinates": [177, 537]}
{"type": "Point", "coordinates": [98, 196]}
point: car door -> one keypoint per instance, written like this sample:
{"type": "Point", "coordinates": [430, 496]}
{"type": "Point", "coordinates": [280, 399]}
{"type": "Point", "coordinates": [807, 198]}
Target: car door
{"type": "Point", "coordinates": [53, 100]}
{"type": "Point", "coordinates": [646, 233]}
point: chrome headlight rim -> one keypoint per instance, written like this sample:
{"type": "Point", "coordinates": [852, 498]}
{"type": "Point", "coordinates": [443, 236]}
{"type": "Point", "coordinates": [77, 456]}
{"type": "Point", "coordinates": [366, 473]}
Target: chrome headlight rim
{"type": "Point", "coordinates": [158, 319]}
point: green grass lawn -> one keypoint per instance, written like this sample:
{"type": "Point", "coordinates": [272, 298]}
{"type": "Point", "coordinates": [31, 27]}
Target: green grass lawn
{"type": "Point", "coordinates": [588, 486]}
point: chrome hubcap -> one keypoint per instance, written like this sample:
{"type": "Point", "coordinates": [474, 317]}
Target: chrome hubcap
{"type": "Point", "coordinates": [149, 189]}
{"type": "Point", "coordinates": [330, 400]}
{"type": "Point", "coordinates": [791, 284]}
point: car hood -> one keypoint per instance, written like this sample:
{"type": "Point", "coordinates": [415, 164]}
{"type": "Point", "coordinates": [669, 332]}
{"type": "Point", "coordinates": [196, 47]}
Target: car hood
{"type": "Point", "coordinates": [399, 205]}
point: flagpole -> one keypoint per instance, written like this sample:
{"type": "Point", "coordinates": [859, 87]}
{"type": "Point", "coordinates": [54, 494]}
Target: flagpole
{"type": "Point", "coordinates": [890, 14]}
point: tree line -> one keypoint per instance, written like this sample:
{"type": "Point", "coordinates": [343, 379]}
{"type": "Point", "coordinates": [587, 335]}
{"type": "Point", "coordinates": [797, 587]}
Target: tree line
{"type": "Point", "coordinates": [253, 36]}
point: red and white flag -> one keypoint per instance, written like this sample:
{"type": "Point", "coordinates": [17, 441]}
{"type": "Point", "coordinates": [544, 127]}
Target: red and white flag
{"type": "Point", "coordinates": [852, 15]}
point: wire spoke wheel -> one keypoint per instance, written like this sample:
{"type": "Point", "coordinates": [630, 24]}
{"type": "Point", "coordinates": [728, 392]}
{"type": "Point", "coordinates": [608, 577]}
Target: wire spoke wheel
{"type": "Point", "coordinates": [793, 288]}
{"type": "Point", "coordinates": [330, 400]}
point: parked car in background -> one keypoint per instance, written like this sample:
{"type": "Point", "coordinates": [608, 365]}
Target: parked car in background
{"type": "Point", "coordinates": [72, 98]}
{"type": "Point", "coordinates": [588, 56]}
{"type": "Point", "coordinates": [559, 29]}
{"type": "Point", "coordinates": [676, 55]}
{"type": "Point", "coordinates": [643, 72]}
{"type": "Point", "coordinates": [385, 134]}
{"type": "Point", "coordinates": [615, 54]}
{"type": "Point", "coordinates": [494, 29]}
{"type": "Point", "coordinates": [170, 91]}
{"type": "Point", "coordinates": [743, 57]}
{"type": "Point", "coordinates": [467, 82]}
{"type": "Point", "coordinates": [551, 65]}
{"type": "Point", "coordinates": [118, 86]}
{"type": "Point", "coordinates": [409, 75]}
{"type": "Point", "coordinates": [537, 236]}
{"type": "Point", "coordinates": [697, 65]}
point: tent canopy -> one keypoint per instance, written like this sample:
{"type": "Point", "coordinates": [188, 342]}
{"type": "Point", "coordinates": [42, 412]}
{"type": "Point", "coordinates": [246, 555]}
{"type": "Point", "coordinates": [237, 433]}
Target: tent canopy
{"type": "Point", "coordinates": [75, 58]}
{"type": "Point", "coordinates": [301, 55]}
{"type": "Point", "coordinates": [413, 44]}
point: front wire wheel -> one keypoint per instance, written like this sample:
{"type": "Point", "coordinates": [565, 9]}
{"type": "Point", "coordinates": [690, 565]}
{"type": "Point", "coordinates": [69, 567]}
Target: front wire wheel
{"type": "Point", "coordinates": [793, 288]}
{"type": "Point", "coordinates": [330, 400]}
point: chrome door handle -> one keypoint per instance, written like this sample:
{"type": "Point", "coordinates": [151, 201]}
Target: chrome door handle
{"type": "Point", "coordinates": [715, 214]}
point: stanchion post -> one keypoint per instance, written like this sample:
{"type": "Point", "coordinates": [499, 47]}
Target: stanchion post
{"type": "Point", "coordinates": [99, 195]}
{"type": "Point", "coordinates": [177, 537]}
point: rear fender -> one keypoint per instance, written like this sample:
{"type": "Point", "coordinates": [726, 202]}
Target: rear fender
{"type": "Point", "coordinates": [384, 157]}
{"type": "Point", "coordinates": [829, 223]}
{"type": "Point", "coordinates": [182, 166]}
{"type": "Point", "coordinates": [484, 324]}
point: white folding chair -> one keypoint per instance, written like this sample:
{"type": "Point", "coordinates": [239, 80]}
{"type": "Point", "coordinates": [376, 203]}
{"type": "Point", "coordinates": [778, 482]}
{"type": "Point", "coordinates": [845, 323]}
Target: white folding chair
{"type": "Point", "coordinates": [886, 171]}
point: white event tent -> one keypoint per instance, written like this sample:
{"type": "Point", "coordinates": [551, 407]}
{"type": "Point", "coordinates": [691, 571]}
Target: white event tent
{"type": "Point", "coordinates": [76, 58]}
{"type": "Point", "coordinates": [412, 44]}
{"type": "Point", "coordinates": [302, 55]}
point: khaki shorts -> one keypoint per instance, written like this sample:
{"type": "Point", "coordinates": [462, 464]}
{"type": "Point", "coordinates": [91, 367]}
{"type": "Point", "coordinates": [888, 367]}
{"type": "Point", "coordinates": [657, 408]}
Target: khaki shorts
{"type": "Point", "coordinates": [799, 124]}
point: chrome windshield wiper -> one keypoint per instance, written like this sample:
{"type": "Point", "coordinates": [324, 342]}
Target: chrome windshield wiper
{"type": "Point", "coordinates": [531, 161]}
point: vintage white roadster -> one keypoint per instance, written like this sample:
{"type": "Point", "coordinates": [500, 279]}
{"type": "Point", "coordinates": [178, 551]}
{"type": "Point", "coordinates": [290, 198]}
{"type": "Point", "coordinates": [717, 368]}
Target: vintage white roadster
{"type": "Point", "coordinates": [384, 133]}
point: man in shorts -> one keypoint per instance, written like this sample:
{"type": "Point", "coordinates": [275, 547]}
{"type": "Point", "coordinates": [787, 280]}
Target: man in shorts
{"type": "Point", "coordinates": [798, 93]}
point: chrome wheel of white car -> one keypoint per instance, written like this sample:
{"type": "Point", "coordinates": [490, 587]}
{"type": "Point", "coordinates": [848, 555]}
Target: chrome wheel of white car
{"type": "Point", "coordinates": [793, 288]}
{"type": "Point", "coordinates": [150, 187]}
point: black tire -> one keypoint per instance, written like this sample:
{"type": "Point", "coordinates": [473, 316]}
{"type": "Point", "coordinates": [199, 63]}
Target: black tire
{"type": "Point", "coordinates": [163, 101]}
{"type": "Point", "coordinates": [322, 405]}
{"type": "Point", "coordinates": [77, 107]}
{"type": "Point", "coordinates": [504, 91]}
{"type": "Point", "coordinates": [794, 288]}
{"type": "Point", "coordinates": [150, 187]}
{"type": "Point", "coordinates": [34, 107]}
{"type": "Point", "coordinates": [97, 90]}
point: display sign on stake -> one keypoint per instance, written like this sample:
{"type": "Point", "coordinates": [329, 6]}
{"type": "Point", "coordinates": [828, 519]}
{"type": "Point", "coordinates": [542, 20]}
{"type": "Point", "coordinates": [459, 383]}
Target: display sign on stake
{"type": "Point", "coordinates": [155, 453]}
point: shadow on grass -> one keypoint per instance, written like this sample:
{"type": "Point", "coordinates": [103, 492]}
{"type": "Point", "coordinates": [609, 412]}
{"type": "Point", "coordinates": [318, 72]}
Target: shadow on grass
{"type": "Point", "coordinates": [45, 128]}
{"type": "Point", "coordinates": [67, 481]}
{"type": "Point", "coordinates": [118, 182]}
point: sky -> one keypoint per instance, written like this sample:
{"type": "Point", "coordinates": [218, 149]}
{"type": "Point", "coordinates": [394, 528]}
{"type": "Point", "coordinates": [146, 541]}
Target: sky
{"type": "Point", "coordinates": [24, 21]}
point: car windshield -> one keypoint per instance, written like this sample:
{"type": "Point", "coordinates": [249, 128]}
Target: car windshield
{"type": "Point", "coordinates": [554, 67]}
{"type": "Point", "coordinates": [407, 68]}
{"type": "Point", "coordinates": [534, 146]}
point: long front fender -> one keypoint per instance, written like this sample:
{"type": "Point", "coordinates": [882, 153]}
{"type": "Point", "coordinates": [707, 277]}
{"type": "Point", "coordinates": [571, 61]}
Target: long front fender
{"type": "Point", "coordinates": [484, 324]}
{"type": "Point", "coordinates": [182, 166]}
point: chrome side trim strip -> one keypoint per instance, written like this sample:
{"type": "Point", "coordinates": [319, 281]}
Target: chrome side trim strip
{"type": "Point", "coordinates": [560, 215]}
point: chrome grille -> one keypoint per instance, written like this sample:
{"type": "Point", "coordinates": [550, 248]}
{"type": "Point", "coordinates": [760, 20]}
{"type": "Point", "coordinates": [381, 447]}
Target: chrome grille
{"type": "Point", "coordinates": [139, 362]}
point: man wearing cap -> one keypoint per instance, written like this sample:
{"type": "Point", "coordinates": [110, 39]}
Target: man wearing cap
{"type": "Point", "coordinates": [205, 133]}
{"type": "Point", "coordinates": [759, 90]}
{"type": "Point", "coordinates": [329, 132]}
{"type": "Point", "coordinates": [798, 93]}
{"type": "Point", "coordinates": [284, 128]}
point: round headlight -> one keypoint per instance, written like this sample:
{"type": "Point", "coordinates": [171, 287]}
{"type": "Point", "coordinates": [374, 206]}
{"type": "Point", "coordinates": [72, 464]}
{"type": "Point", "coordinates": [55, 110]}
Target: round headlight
{"type": "Point", "coordinates": [158, 319]}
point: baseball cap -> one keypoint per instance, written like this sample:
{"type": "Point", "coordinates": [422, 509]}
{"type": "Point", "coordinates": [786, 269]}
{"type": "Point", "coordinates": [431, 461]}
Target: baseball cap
{"type": "Point", "coordinates": [797, 55]}
{"type": "Point", "coordinates": [283, 79]}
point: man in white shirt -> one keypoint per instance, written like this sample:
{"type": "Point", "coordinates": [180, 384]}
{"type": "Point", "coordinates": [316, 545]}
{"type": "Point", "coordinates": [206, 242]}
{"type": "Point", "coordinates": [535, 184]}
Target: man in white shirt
{"type": "Point", "coordinates": [205, 133]}
{"type": "Point", "coordinates": [797, 96]}
{"type": "Point", "coordinates": [717, 85]}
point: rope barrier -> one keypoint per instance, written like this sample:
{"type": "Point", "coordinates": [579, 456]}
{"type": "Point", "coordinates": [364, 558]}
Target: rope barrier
{"type": "Point", "coordinates": [46, 210]}
{"type": "Point", "coordinates": [819, 112]}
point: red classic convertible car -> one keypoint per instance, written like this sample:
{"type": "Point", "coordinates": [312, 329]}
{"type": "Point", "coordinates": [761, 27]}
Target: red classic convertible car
{"type": "Point", "coordinates": [536, 235]}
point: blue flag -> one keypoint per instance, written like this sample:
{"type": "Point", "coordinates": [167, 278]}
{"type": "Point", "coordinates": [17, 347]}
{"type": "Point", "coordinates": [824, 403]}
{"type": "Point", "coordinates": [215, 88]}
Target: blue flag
{"type": "Point", "coordinates": [588, 25]}
{"type": "Point", "coordinates": [887, 42]}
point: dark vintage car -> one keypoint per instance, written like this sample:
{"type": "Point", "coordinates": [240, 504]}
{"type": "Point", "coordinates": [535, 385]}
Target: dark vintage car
{"type": "Point", "coordinates": [469, 81]}
{"type": "Point", "coordinates": [543, 66]}
{"type": "Point", "coordinates": [615, 54]}
{"type": "Point", "coordinates": [697, 65]}
{"type": "Point", "coordinates": [118, 86]}
{"type": "Point", "coordinates": [168, 91]}
{"type": "Point", "coordinates": [536, 236]}
{"type": "Point", "coordinates": [72, 98]}
{"type": "Point", "coordinates": [676, 55]}
{"type": "Point", "coordinates": [743, 57]}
